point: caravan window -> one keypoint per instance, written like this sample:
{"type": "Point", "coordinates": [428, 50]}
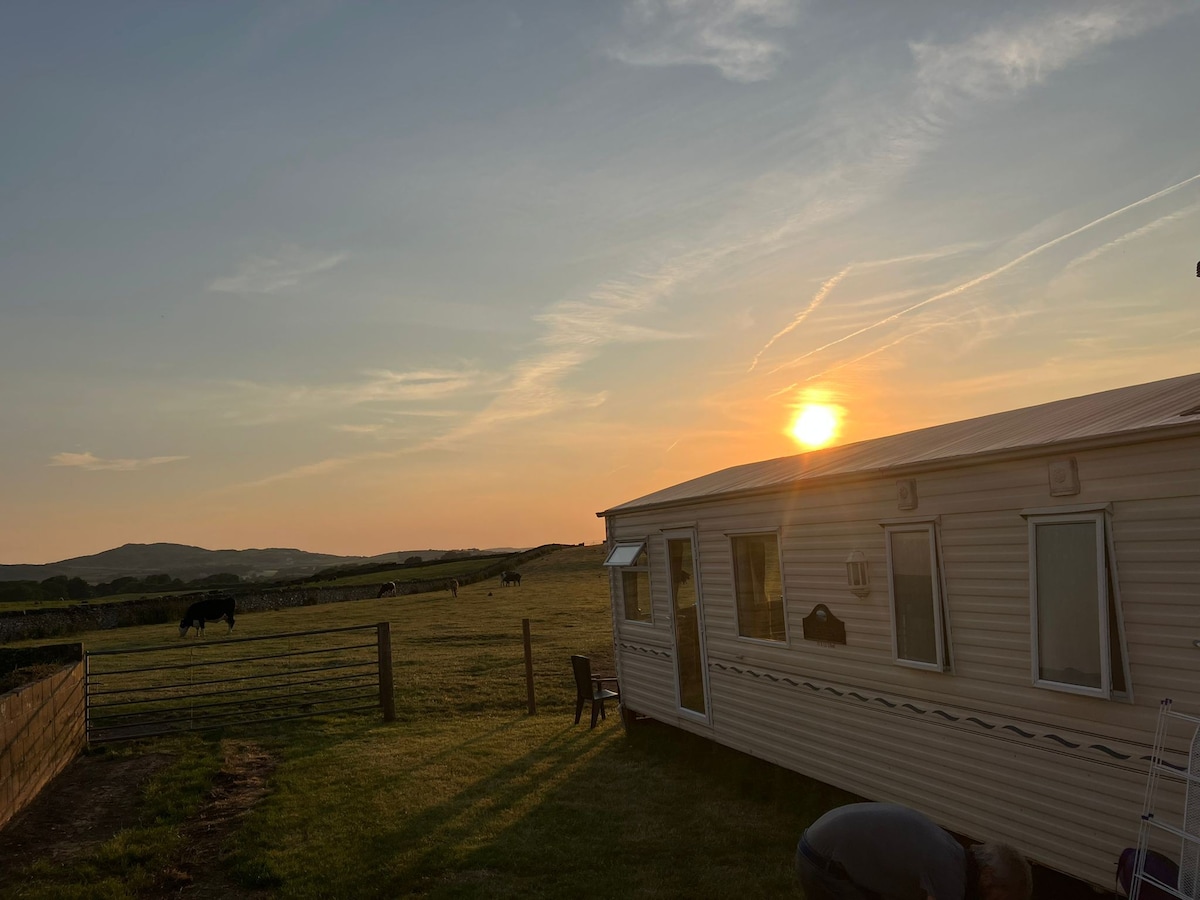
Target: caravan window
{"type": "Point", "coordinates": [914, 582]}
{"type": "Point", "coordinates": [758, 586]}
{"type": "Point", "coordinates": [1076, 619]}
{"type": "Point", "coordinates": [631, 562]}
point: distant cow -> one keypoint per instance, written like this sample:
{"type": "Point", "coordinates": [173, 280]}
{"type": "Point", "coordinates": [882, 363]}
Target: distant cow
{"type": "Point", "coordinates": [507, 578]}
{"type": "Point", "coordinates": [387, 589]}
{"type": "Point", "coordinates": [211, 609]}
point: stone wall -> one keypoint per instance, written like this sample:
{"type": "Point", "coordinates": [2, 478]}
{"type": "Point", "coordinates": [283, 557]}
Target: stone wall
{"type": "Point", "coordinates": [41, 730]}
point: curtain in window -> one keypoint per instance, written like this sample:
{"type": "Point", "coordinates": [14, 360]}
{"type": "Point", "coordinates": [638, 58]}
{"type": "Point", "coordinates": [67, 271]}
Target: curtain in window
{"type": "Point", "coordinates": [912, 593]}
{"type": "Point", "coordinates": [749, 578]}
{"type": "Point", "coordinates": [1068, 604]}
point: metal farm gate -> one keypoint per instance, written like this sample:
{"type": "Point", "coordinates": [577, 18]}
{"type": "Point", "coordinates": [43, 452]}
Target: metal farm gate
{"type": "Point", "coordinates": [198, 685]}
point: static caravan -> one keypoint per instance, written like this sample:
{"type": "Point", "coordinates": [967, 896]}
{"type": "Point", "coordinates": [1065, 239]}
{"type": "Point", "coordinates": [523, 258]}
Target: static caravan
{"type": "Point", "coordinates": [978, 619]}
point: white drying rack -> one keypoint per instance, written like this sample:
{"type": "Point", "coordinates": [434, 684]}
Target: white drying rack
{"type": "Point", "coordinates": [1188, 831]}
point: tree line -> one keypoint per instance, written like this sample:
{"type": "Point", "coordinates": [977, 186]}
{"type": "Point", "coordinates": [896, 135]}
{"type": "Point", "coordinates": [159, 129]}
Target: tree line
{"type": "Point", "coordinates": [60, 587]}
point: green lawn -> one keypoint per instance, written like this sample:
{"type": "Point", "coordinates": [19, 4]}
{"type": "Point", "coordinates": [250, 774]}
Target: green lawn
{"type": "Point", "coordinates": [466, 795]}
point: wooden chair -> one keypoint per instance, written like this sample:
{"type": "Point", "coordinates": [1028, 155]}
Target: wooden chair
{"type": "Point", "coordinates": [590, 688]}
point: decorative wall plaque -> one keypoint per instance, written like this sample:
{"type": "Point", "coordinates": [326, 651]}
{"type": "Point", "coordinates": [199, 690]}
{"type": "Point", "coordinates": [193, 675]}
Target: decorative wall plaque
{"type": "Point", "coordinates": [1064, 477]}
{"type": "Point", "coordinates": [906, 493]}
{"type": "Point", "coordinates": [822, 625]}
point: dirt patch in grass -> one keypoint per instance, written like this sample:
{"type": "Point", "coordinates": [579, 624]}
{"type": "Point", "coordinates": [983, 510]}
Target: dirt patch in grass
{"type": "Point", "coordinates": [87, 804]}
{"type": "Point", "coordinates": [26, 675]}
{"type": "Point", "coordinates": [97, 797]}
{"type": "Point", "coordinates": [201, 869]}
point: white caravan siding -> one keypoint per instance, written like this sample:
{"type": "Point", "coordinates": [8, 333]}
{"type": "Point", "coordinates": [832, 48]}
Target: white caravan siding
{"type": "Point", "coordinates": [981, 749]}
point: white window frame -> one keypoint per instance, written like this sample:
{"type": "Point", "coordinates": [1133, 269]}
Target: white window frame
{"type": "Point", "coordinates": [929, 527]}
{"type": "Point", "coordinates": [769, 532]}
{"type": "Point", "coordinates": [1106, 576]}
{"type": "Point", "coordinates": [643, 545]}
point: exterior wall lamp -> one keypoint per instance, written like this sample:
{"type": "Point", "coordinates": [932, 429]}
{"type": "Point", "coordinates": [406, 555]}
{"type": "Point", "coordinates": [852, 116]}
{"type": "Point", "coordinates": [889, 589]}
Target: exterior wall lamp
{"type": "Point", "coordinates": [858, 579]}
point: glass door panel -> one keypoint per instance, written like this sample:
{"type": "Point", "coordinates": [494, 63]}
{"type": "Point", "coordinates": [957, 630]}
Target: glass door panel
{"type": "Point", "coordinates": [689, 655]}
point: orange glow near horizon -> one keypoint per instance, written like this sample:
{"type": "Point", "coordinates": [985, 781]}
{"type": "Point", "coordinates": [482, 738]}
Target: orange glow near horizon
{"type": "Point", "coordinates": [815, 424]}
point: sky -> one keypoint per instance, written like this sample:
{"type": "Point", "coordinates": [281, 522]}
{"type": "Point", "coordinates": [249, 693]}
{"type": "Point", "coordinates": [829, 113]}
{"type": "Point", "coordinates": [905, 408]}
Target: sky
{"type": "Point", "coordinates": [363, 277]}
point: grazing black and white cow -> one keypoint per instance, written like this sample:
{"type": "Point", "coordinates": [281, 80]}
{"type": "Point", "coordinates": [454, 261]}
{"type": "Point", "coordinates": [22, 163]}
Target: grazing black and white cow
{"type": "Point", "coordinates": [211, 609]}
{"type": "Point", "coordinates": [507, 578]}
{"type": "Point", "coordinates": [387, 589]}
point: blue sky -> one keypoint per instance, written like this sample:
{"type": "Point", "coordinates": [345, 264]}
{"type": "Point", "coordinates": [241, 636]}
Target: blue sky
{"type": "Point", "coordinates": [368, 277]}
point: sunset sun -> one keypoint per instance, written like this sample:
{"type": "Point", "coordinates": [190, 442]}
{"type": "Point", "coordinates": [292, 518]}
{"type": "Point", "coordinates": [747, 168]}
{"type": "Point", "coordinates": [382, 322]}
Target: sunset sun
{"type": "Point", "coordinates": [815, 425]}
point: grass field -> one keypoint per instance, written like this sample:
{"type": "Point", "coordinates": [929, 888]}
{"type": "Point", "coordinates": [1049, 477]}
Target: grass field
{"type": "Point", "coordinates": [427, 572]}
{"type": "Point", "coordinates": [465, 795]}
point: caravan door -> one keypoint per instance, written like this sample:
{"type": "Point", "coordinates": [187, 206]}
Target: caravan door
{"type": "Point", "coordinates": [691, 682]}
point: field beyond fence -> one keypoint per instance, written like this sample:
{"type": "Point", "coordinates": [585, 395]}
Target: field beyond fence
{"type": "Point", "coordinates": [57, 619]}
{"type": "Point", "coordinates": [464, 795]}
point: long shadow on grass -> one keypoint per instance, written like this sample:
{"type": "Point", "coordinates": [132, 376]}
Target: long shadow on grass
{"type": "Point", "coordinates": [533, 808]}
{"type": "Point", "coordinates": [588, 813]}
{"type": "Point", "coordinates": [424, 845]}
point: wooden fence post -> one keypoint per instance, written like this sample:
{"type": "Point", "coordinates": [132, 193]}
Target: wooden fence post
{"type": "Point", "coordinates": [528, 667]}
{"type": "Point", "coordinates": [387, 697]}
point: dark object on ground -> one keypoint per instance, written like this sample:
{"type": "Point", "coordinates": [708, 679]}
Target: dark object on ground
{"type": "Point", "coordinates": [212, 609]}
{"type": "Point", "coordinates": [507, 578]}
{"type": "Point", "coordinates": [1157, 866]}
{"type": "Point", "coordinates": [888, 850]}
{"type": "Point", "coordinates": [387, 589]}
{"type": "Point", "coordinates": [590, 688]}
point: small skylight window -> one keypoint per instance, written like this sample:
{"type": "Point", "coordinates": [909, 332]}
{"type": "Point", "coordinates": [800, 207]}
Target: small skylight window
{"type": "Point", "coordinates": [624, 554]}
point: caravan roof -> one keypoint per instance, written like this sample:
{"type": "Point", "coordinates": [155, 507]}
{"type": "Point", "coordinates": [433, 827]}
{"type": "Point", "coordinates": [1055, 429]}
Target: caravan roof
{"type": "Point", "coordinates": [1167, 407]}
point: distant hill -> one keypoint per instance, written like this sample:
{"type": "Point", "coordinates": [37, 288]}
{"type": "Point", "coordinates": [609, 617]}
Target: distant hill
{"type": "Point", "coordinates": [188, 563]}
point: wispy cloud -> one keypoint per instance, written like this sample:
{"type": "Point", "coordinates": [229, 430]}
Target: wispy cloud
{"type": "Point", "coordinates": [887, 135]}
{"type": "Point", "coordinates": [833, 282]}
{"type": "Point", "coordinates": [736, 37]}
{"type": "Point", "coordinates": [743, 41]}
{"type": "Point", "coordinates": [880, 150]}
{"type": "Point", "coordinates": [980, 329]}
{"type": "Point", "coordinates": [533, 390]}
{"type": "Point", "coordinates": [820, 295]}
{"type": "Point", "coordinates": [1004, 60]}
{"type": "Point", "coordinates": [393, 424]}
{"type": "Point", "coordinates": [576, 331]}
{"type": "Point", "coordinates": [286, 268]}
{"type": "Point", "coordinates": [987, 276]}
{"type": "Point", "coordinates": [952, 80]}
{"type": "Point", "coordinates": [260, 403]}
{"type": "Point", "coordinates": [602, 318]}
{"type": "Point", "coordinates": [91, 462]}
{"type": "Point", "coordinates": [422, 384]}
{"type": "Point", "coordinates": [310, 470]}
{"type": "Point", "coordinates": [1133, 235]}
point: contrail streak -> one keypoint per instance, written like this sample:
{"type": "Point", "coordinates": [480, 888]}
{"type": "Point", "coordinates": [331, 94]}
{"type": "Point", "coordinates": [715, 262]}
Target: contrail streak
{"type": "Point", "coordinates": [1134, 235]}
{"type": "Point", "coordinates": [987, 276]}
{"type": "Point", "coordinates": [820, 295]}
